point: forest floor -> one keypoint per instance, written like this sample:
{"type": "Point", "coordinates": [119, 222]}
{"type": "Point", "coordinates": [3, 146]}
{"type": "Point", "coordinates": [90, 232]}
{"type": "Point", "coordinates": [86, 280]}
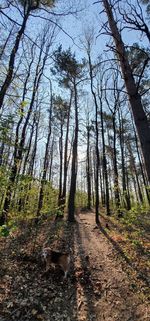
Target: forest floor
{"type": "Point", "coordinates": [108, 278]}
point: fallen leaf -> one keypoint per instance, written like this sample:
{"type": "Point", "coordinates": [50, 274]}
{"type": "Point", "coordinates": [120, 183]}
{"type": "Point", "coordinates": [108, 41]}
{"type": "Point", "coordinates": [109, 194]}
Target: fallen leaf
{"type": "Point", "coordinates": [34, 312]}
{"type": "Point", "coordinates": [10, 305]}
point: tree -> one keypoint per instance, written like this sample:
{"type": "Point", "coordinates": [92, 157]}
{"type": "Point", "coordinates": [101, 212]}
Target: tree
{"type": "Point", "coordinates": [88, 164]}
{"type": "Point", "coordinates": [66, 158]}
{"type": "Point", "coordinates": [20, 143]}
{"type": "Point", "coordinates": [71, 73]}
{"type": "Point", "coordinates": [140, 118]}
{"type": "Point", "coordinates": [45, 165]}
{"type": "Point", "coordinates": [113, 103]}
{"type": "Point", "coordinates": [28, 7]}
{"type": "Point", "coordinates": [105, 167]}
{"type": "Point", "coordinates": [133, 16]}
{"type": "Point", "coordinates": [91, 74]}
{"type": "Point", "coordinates": [126, 196]}
{"type": "Point", "coordinates": [61, 114]}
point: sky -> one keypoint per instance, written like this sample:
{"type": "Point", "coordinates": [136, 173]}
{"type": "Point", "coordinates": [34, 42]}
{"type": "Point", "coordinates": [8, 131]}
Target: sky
{"type": "Point", "coordinates": [91, 18]}
{"type": "Point", "coordinates": [75, 26]}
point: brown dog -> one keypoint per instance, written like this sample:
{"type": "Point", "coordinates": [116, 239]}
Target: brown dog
{"type": "Point", "coordinates": [57, 258]}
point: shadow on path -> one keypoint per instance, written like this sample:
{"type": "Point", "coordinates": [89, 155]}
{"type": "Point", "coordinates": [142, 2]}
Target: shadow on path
{"type": "Point", "coordinates": [144, 278]}
{"type": "Point", "coordinates": [85, 281]}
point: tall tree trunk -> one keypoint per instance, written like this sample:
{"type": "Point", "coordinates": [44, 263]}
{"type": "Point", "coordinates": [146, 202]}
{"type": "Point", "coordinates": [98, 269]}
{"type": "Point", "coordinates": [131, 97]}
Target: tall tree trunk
{"type": "Point", "coordinates": [135, 189]}
{"type": "Point", "coordinates": [102, 185]}
{"type": "Point", "coordinates": [97, 168]}
{"type": "Point", "coordinates": [22, 116]}
{"type": "Point", "coordinates": [134, 170]}
{"type": "Point", "coordinates": [9, 75]}
{"type": "Point", "coordinates": [33, 153]}
{"type": "Point", "coordinates": [6, 42]}
{"type": "Point", "coordinates": [116, 182]}
{"type": "Point", "coordinates": [93, 176]}
{"type": "Point", "coordinates": [104, 158]}
{"type": "Point", "coordinates": [66, 154]}
{"type": "Point", "coordinates": [140, 118]}
{"type": "Point", "coordinates": [126, 196]}
{"type": "Point", "coordinates": [97, 141]}
{"type": "Point", "coordinates": [1, 152]}
{"type": "Point", "coordinates": [88, 168]}
{"type": "Point", "coordinates": [61, 164]}
{"type": "Point", "coordinates": [71, 200]}
{"type": "Point", "coordinates": [26, 159]}
{"type": "Point", "coordinates": [45, 165]}
{"type": "Point", "coordinates": [51, 160]}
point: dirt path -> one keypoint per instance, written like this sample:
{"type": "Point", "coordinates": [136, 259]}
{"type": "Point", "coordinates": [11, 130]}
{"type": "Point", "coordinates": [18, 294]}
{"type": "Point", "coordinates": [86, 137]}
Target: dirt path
{"type": "Point", "coordinates": [99, 287]}
{"type": "Point", "coordinates": [112, 296]}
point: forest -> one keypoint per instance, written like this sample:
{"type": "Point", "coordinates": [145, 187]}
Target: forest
{"type": "Point", "coordinates": [75, 160]}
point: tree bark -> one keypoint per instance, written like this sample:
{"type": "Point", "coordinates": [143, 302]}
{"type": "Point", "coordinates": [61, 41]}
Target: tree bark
{"type": "Point", "coordinates": [88, 168]}
{"type": "Point", "coordinates": [96, 143]}
{"type": "Point", "coordinates": [71, 200]}
{"type": "Point", "coordinates": [116, 182]}
{"type": "Point", "coordinates": [61, 164]}
{"type": "Point", "coordinates": [126, 196]}
{"type": "Point", "coordinates": [66, 155]}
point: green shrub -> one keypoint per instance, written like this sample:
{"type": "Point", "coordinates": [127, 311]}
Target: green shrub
{"type": "Point", "coordinates": [4, 230]}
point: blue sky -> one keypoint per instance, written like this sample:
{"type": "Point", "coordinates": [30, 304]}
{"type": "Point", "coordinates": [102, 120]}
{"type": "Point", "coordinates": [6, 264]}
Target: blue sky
{"type": "Point", "coordinates": [91, 17]}
{"type": "Point", "coordinates": [75, 26]}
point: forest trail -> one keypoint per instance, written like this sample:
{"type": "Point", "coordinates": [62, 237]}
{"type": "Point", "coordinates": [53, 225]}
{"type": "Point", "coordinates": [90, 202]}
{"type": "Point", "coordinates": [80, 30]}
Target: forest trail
{"type": "Point", "coordinates": [112, 295]}
{"type": "Point", "coordinates": [101, 284]}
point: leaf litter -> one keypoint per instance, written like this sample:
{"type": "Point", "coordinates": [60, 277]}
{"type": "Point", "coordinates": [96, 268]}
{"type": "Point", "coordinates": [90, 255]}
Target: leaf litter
{"type": "Point", "coordinates": [100, 286]}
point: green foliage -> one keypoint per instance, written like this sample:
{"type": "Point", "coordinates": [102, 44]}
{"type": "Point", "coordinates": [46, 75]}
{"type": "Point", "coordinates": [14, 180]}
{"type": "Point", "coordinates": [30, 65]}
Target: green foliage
{"type": "Point", "coordinates": [140, 63]}
{"type": "Point", "coordinates": [137, 218]}
{"type": "Point", "coordinates": [59, 213]}
{"type": "Point", "coordinates": [25, 196]}
{"type": "Point", "coordinates": [81, 199]}
{"type": "Point", "coordinates": [130, 217]}
{"type": "Point", "coordinates": [3, 183]}
{"type": "Point", "coordinates": [6, 124]}
{"type": "Point", "coordinates": [50, 199]}
{"type": "Point", "coordinates": [137, 243]}
{"type": "Point", "coordinates": [4, 230]}
{"type": "Point", "coordinates": [61, 108]}
{"type": "Point", "coordinates": [67, 67]}
{"type": "Point", "coordinates": [65, 61]}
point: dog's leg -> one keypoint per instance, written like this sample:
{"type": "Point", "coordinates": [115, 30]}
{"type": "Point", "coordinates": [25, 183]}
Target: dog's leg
{"type": "Point", "coordinates": [66, 267]}
{"type": "Point", "coordinates": [47, 267]}
{"type": "Point", "coordinates": [65, 274]}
